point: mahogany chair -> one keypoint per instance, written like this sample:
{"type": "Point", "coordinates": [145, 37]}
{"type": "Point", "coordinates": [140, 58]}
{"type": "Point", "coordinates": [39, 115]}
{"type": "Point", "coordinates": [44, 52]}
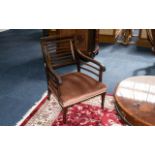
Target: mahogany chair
{"type": "Point", "coordinates": [71, 88]}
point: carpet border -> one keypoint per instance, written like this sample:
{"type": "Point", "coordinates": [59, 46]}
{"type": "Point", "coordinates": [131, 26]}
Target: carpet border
{"type": "Point", "coordinates": [24, 121]}
{"type": "Point", "coordinates": [32, 110]}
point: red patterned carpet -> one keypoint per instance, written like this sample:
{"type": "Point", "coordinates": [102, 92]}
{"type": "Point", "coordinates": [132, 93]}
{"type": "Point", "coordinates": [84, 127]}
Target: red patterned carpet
{"type": "Point", "coordinates": [88, 113]}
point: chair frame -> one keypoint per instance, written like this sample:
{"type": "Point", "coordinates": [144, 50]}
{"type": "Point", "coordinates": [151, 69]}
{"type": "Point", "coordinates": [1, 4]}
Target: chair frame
{"type": "Point", "coordinates": [54, 80]}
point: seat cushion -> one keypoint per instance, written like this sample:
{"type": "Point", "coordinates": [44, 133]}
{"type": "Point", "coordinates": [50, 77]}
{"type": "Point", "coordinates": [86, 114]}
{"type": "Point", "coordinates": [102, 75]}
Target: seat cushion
{"type": "Point", "coordinates": [78, 87]}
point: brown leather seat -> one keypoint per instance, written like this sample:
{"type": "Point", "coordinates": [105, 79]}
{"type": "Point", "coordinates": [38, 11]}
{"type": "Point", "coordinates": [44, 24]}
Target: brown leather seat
{"type": "Point", "coordinates": [77, 87]}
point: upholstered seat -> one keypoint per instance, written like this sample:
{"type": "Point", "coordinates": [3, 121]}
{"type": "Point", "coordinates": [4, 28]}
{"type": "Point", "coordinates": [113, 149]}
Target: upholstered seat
{"type": "Point", "coordinates": [77, 87]}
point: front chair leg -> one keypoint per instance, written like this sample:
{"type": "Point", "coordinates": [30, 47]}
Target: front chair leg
{"type": "Point", "coordinates": [49, 94]}
{"type": "Point", "coordinates": [64, 115]}
{"type": "Point", "coordinates": [102, 100]}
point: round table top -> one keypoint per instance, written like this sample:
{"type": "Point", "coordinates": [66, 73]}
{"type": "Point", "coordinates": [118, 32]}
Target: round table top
{"type": "Point", "coordinates": [136, 97]}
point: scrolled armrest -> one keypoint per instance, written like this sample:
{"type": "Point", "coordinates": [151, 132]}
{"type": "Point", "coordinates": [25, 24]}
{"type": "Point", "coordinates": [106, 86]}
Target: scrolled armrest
{"type": "Point", "coordinates": [91, 60]}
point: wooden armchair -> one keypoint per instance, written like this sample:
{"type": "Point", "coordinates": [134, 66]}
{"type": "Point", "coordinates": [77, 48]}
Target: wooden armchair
{"type": "Point", "coordinates": [75, 87]}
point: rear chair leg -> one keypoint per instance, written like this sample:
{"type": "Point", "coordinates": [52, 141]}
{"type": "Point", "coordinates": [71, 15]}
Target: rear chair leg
{"type": "Point", "coordinates": [102, 100]}
{"type": "Point", "coordinates": [64, 115]}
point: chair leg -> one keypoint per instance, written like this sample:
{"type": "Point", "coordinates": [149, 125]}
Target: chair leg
{"type": "Point", "coordinates": [102, 100]}
{"type": "Point", "coordinates": [49, 95]}
{"type": "Point", "coordinates": [64, 115]}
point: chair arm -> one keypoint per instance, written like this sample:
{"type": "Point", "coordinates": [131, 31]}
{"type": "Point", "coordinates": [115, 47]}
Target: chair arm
{"type": "Point", "coordinates": [91, 60]}
{"type": "Point", "coordinates": [54, 76]}
{"type": "Point", "coordinates": [101, 68]}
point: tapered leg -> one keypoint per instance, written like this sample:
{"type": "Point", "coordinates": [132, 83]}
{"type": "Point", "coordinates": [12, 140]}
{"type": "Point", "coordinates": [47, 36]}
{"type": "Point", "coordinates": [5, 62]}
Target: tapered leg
{"type": "Point", "coordinates": [49, 94]}
{"type": "Point", "coordinates": [102, 100]}
{"type": "Point", "coordinates": [64, 115]}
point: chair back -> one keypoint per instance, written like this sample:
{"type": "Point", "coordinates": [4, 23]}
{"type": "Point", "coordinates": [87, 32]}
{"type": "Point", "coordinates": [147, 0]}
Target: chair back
{"type": "Point", "coordinates": [58, 52]}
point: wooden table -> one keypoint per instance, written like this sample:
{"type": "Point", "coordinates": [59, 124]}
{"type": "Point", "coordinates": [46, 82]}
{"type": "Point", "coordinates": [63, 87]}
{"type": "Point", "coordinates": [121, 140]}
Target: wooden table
{"type": "Point", "coordinates": [135, 100]}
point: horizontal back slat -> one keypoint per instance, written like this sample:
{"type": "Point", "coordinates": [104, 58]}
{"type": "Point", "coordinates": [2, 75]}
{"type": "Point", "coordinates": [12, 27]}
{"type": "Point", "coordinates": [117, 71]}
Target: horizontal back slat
{"type": "Point", "coordinates": [59, 52]}
{"type": "Point", "coordinates": [62, 58]}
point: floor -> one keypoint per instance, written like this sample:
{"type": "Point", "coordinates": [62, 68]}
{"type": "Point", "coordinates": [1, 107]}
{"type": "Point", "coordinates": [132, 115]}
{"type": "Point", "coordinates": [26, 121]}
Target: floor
{"type": "Point", "coordinates": [22, 76]}
{"type": "Point", "coordinates": [21, 73]}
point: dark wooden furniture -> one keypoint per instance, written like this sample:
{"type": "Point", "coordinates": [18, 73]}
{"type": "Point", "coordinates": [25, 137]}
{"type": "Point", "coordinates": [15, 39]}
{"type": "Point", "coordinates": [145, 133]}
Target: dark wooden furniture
{"type": "Point", "coordinates": [74, 87]}
{"type": "Point", "coordinates": [58, 52]}
{"type": "Point", "coordinates": [135, 99]}
{"type": "Point", "coordinates": [106, 35]}
{"type": "Point", "coordinates": [86, 39]}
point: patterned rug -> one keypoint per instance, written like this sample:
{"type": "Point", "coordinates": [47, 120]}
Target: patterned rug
{"type": "Point", "coordinates": [88, 113]}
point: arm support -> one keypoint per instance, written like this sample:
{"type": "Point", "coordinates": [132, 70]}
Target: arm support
{"type": "Point", "coordinates": [100, 68]}
{"type": "Point", "coordinates": [54, 76]}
